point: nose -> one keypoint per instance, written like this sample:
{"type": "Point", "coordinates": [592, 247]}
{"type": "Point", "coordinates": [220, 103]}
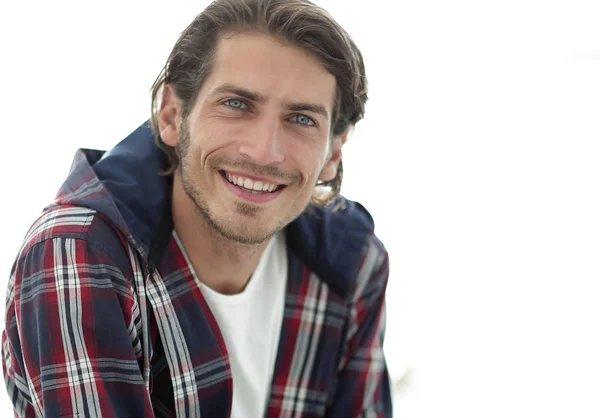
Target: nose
{"type": "Point", "coordinates": [263, 143]}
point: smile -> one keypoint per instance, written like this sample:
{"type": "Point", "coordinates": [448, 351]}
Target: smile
{"type": "Point", "coordinates": [250, 189]}
{"type": "Point", "coordinates": [251, 185]}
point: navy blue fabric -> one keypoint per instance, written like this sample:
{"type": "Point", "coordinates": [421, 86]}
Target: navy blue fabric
{"type": "Point", "coordinates": [129, 172]}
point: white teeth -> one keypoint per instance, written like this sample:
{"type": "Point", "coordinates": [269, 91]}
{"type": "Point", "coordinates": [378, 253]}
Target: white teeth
{"type": "Point", "coordinates": [250, 184]}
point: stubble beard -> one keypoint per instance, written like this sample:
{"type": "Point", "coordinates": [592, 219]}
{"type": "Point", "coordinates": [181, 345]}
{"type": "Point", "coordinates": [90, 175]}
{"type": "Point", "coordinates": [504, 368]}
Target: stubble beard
{"type": "Point", "coordinates": [243, 235]}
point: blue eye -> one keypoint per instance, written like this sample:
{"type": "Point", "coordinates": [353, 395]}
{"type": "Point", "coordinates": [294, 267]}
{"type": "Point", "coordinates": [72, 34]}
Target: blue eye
{"type": "Point", "coordinates": [235, 104]}
{"type": "Point", "coordinates": [303, 120]}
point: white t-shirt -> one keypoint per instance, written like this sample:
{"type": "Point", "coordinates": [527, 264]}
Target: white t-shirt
{"type": "Point", "coordinates": [251, 323]}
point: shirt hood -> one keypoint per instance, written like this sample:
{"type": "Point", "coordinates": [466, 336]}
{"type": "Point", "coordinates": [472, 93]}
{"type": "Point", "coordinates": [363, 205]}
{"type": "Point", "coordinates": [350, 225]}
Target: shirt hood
{"type": "Point", "coordinates": [122, 184]}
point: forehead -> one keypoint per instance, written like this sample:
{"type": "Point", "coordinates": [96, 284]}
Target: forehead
{"type": "Point", "coordinates": [272, 68]}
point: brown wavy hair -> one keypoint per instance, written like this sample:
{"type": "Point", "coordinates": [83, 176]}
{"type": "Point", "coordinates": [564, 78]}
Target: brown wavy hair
{"type": "Point", "coordinates": [297, 22]}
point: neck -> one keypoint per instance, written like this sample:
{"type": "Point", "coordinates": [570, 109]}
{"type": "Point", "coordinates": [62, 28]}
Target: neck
{"type": "Point", "coordinates": [220, 263]}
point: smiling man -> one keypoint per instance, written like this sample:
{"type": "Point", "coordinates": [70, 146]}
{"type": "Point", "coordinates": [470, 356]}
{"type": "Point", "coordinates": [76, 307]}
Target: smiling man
{"type": "Point", "coordinates": [206, 265]}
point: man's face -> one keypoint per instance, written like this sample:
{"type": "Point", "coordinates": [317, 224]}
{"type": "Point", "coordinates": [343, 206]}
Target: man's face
{"type": "Point", "coordinates": [257, 138]}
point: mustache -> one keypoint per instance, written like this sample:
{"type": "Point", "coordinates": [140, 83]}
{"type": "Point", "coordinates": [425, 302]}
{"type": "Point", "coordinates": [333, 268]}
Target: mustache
{"type": "Point", "coordinates": [258, 170]}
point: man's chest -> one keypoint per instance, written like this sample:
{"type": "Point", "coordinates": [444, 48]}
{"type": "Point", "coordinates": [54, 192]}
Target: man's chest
{"type": "Point", "coordinates": [192, 369]}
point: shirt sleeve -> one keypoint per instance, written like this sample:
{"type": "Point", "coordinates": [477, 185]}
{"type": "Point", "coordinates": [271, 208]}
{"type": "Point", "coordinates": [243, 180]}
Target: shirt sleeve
{"type": "Point", "coordinates": [363, 384]}
{"type": "Point", "coordinates": [69, 345]}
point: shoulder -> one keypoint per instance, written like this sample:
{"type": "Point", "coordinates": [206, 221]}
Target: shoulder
{"type": "Point", "coordinates": [71, 249]}
{"type": "Point", "coordinates": [74, 236]}
{"type": "Point", "coordinates": [64, 222]}
{"type": "Point", "coordinates": [340, 246]}
{"type": "Point", "coordinates": [59, 221]}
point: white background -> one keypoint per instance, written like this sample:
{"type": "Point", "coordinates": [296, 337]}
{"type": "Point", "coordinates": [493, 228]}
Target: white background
{"type": "Point", "coordinates": [479, 159]}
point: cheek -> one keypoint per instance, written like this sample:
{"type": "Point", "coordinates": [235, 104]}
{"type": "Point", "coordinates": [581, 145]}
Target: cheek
{"type": "Point", "coordinates": [312, 160]}
{"type": "Point", "coordinates": [203, 143]}
{"type": "Point", "coordinates": [309, 165]}
{"type": "Point", "coordinates": [222, 131]}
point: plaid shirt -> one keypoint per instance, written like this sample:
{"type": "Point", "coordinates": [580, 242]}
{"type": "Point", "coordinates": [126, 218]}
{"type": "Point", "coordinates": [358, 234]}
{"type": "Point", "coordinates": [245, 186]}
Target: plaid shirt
{"type": "Point", "coordinates": [94, 330]}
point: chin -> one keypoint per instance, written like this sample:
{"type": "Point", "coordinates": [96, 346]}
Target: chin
{"type": "Point", "coordinates": [242, 234]}
{"type": "Point", "coordinates": [246, 225]}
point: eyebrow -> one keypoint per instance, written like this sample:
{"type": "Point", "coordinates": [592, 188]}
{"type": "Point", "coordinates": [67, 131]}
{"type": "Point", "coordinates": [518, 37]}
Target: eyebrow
{"type": "Point", "coordinates": [257, 97]}
{"type": "Point", "coordinates": [299, 107]}
{"type": "Point", "coordinates": [247, 94]}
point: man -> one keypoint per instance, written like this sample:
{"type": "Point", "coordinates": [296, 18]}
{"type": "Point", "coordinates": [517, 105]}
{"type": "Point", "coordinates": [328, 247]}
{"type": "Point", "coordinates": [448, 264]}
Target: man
{"type": "Point", "coordinates": [206, 266]}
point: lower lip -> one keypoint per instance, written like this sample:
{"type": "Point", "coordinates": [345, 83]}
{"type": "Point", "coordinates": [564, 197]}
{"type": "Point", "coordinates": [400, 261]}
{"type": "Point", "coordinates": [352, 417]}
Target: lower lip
{"type": "Point", "coordinates": [252, 197]}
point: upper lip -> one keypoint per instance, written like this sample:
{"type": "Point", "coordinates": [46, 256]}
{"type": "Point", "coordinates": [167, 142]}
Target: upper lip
{"type": "Point", "coordinates": [255, 178]}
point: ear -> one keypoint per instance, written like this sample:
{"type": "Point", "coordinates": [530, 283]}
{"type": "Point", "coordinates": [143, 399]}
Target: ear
{"type": "Point", "coordinates": [334, 156]}
{"type": "Point", "coordinates": [169, 116]}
